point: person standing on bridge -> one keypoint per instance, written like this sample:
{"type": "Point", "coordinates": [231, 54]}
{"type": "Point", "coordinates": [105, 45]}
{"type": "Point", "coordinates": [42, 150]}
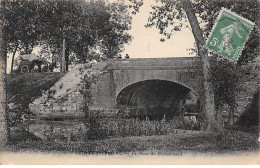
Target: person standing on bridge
{"type": "Point", "coordinates": [119, 56]}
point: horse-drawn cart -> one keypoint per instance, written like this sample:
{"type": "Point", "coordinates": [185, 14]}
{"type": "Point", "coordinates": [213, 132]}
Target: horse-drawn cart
{"type": "Point", "coordinates": [31, 63]}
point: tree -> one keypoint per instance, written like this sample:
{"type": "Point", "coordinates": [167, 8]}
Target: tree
{"type": "Point", "coordinates": [177, 9]}
{"type": "Point", "coordinates": [20, 26]}
{"type": "Point", "coordinates": [250, 117]}
{"type": "Point", "coordinates": [76, 22]}
{"type": "Point", "coordinates": [66, 27]}
{"type": "Point", "coordinates": [209, 104]}
{"type": "Point", "coordinates": [114, 34]}
{"type": "Point", "coordinates": [170, 16]}
{"type": "Point", "coordinates": [85, 25]}
{"type": "Point", "coordinates": [95, 17]}
{"type": "Point", "coordinates": [208, 11]}
{"type": "Point", "coordinates": [4, 127]}
{"type": "Point", "coordinates": [57, 25]}
{"type": "Point", "coordinates": [226, 79]}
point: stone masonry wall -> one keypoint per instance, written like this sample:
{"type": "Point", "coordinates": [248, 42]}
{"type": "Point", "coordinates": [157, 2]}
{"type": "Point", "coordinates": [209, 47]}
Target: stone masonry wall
{"type": "Point", "coordinates": [66, 107]}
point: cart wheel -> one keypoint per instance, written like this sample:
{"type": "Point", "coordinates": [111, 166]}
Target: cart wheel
{"type": "Point", "coordinates": [24, 69]}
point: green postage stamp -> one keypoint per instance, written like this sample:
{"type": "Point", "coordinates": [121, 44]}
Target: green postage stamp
{"type": "Point", "coordinates": [229, 34]}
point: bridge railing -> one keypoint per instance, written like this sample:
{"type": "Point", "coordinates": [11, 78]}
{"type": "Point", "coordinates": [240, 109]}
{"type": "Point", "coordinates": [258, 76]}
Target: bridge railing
{"type": "Point", "coordinates": [187, 62]}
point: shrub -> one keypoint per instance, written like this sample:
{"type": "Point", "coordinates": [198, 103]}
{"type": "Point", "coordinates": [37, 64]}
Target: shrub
{"type": "Point", "coordinates": [250, 117]}
{"type": "Point", "coordinates": [95, 128]}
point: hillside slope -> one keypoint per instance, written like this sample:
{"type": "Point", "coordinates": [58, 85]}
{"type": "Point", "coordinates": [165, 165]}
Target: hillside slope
{"type": "Point", "coordinates": [22, 89]}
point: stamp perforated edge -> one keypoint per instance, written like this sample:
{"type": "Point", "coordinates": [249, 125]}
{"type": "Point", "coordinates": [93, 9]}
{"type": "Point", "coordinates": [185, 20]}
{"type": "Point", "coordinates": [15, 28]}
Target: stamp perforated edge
{"type": "Point", "coordinates": [215, 24]}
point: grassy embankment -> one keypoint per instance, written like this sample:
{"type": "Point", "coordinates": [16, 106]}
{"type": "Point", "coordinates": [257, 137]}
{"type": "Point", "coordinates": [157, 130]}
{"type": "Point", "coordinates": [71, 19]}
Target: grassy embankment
{"type": "Point", "coordinates": [22, 89]}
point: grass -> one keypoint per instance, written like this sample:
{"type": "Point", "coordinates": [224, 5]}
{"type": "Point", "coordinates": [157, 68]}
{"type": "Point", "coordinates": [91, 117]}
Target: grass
{"type": "Point", "coordinates": [178, 143]}
{"type": "Point", "coordinates": [24, 88]}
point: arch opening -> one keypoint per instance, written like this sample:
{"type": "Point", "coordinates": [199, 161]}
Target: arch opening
{"type": "Point", "coordinates": [155, 99]}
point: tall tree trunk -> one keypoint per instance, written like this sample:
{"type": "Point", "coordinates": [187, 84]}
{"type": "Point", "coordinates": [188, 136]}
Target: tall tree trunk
{"type": "Point", "coordinates": [110, 51]}
{"type": "Point", "coordinates": [85, 56]}
{"type": "Point", "coordinates": [80, 53]}
{"type": "Point", "coordinates": [4, 126]}
{"type": "Point", "coordinates": [52, 58]}
{"type": "Point", "coordinates": [231, 114]}
{"type": "Point", "coordinates": [62, 62]}
{"type": "Point", "coordinates": [219, 109]}
{"type": "Point", "coordinates": [26, 48]}
{"type": "Point", "coordinates": [12, 64]}
{"type": "Point", "coordinates": [60, 46]}
{"type": "Point", "coordinates": [209, 106]}
{"type": "Point", "coordinates": [67, 56]}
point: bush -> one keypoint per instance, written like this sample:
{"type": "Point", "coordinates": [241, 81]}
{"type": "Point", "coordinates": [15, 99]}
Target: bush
{"type": "Point", "coordinates": [251, 115]}
{"type": "Point", "coordinates": [95, 128]}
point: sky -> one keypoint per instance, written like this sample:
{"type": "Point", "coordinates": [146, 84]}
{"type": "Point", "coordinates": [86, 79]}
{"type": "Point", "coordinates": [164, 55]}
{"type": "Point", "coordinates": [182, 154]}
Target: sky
{"type": "Point", "coordinates": [146, 41]}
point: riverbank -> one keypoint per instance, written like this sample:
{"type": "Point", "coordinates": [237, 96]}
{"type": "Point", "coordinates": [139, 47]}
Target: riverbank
{"type": "Point", "coordinates": [177, 144]}
{"type": "Point", "coordinates": [22, 89]}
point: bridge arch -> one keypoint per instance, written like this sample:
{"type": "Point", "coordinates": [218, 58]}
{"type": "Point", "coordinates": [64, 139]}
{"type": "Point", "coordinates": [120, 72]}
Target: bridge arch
{"type": "Point", "coordinates": [123, 74]}
{"type": "Point", "coordinates": [185, 77]}
{"type": "Point", "coordinates": [155, 98]}
{"type": "Point", "coordinates": [123, 87]}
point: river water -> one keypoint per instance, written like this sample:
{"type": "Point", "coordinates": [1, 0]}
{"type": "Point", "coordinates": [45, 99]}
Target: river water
{"type": "Point", "coordinates": [45, 128]}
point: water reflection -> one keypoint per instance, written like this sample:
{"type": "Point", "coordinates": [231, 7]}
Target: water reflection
{"type": "Point", "coordinates": [56, 130]}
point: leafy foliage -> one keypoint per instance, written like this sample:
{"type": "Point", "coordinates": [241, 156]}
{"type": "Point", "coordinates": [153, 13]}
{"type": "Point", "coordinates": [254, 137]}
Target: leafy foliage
{"type": "Point", "coordinates": [251, 115]}
{"type": "Point", "coordinates": [20, 24]}
{"type": "Point", "coordinates": [168, 16]}
{"type": "Point", "coordinates": [85, 26]}
{"type": "Point", "coordinates": [114, 34]}
{"type": "Point", "coordinates": [92, 119]}
{"type": "Point", "coordinates": [226, 78]}
{"type": "Point", "coordinates": [75, 21]}
{"type": "Point", "coordinates": [95, 130]}
{"type": "Point", "coordinates": [208, 12]}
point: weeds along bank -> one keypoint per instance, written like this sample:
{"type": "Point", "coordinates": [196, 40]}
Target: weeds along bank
{"type": "Point", "coordinates": [176, 143]}
{"type": "Point", "coordinates": [97, 128]}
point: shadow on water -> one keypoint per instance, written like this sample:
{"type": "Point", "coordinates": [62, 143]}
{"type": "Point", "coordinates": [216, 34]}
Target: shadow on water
{"type": "Point", "coordinates": [46, 130]}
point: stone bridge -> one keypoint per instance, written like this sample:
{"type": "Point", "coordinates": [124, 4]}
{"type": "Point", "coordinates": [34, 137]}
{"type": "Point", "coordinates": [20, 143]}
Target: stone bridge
{"type": "Point", "coordinates": [149, 81]}
{"type": "Point", "coordinates": [161, 85]}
